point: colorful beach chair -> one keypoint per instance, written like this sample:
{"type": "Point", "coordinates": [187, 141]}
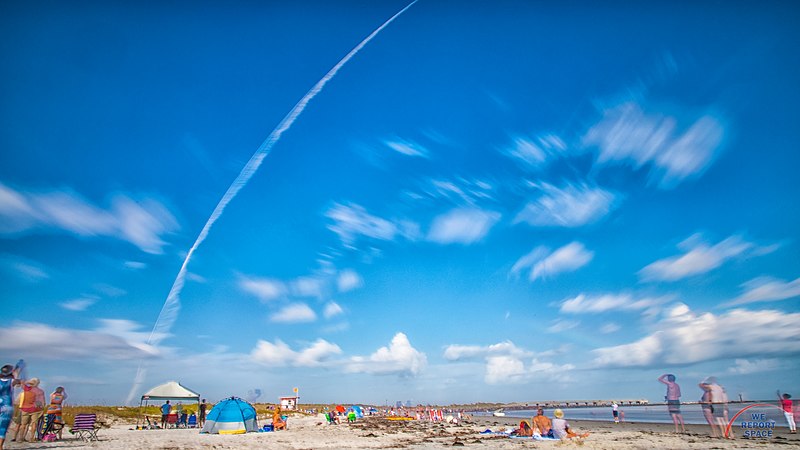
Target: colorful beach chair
{"type": "Point", "coordinates": [85, 426]}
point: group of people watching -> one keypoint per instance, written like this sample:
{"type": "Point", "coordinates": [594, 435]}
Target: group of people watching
{"type": "Point", "coordinates": [557, 428]}
{"type": "Point", "coordinates": [714, 402]}
{"type": "Point", "coordinates": [183, 418]}
{"type": "Point", "coordinates": [32, 412]}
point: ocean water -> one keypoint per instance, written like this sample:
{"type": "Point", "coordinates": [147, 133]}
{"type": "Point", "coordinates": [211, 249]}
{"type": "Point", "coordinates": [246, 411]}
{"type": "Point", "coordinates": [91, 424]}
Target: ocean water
{"type": "Point", "coordinates": [692, 413]}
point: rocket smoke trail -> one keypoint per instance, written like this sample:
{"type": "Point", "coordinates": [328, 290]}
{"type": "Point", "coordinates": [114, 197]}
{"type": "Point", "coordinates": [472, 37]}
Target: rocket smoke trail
{"type": "Point", "coordinates": [169, 312]}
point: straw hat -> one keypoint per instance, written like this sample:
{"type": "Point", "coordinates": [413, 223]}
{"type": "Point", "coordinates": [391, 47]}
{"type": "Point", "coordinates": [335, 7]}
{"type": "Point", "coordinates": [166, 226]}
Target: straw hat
{"type": "Point", "coordinates": [558, 413]}
{"type": "Point", "coordinates": [33, 382]}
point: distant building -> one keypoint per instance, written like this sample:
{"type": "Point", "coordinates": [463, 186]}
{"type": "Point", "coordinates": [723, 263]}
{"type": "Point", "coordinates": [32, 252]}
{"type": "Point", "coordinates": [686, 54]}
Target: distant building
{"type": "Point", "coordinates": [289, 402]}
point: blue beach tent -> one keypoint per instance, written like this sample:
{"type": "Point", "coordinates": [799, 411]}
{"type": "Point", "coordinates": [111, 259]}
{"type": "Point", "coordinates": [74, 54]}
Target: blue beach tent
{"type": "Point", "coordinates": [231, 416]}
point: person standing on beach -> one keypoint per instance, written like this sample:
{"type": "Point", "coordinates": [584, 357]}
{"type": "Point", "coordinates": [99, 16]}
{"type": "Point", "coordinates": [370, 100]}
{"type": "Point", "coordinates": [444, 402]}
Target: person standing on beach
{"type": "Point", "coordinates": [201, 419]}
{"type": "Point", "coordinates": [165, 409]}
{"type": "Point", "coordinates": [54, 410]}
{"type": "Point", "coordinates": [718, 400]}
{"type": "Point", "coordinates": [673, 400]}
{"type": "Point", "coordinates": [7, 382]}
{"type": "Point", "coordinates": [788, 411]}
{"type": "Point", "coordinates": [32, 407]}
{"type": "Point", "coordinates": [615, 411]}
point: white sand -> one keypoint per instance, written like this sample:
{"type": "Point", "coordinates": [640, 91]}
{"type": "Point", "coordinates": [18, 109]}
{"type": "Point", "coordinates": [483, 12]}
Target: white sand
{"type": "Point", "coordinates": [307, 433]}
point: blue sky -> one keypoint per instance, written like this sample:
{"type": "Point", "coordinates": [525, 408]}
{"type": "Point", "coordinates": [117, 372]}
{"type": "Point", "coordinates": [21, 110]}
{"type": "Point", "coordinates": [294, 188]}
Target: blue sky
{"type": "Point", "coordinates": [502, 201]}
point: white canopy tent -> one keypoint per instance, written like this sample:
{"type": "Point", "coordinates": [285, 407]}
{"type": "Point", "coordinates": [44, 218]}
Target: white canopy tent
{"type": "Point", "coordinates": [171, 390]}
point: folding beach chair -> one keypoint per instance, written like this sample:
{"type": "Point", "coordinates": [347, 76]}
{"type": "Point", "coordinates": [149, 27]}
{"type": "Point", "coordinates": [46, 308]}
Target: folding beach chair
{"type": "Point", "coordinates": [172, 420]}
{"type": "Point", "coordinates": [192, 421]}
{"type": "Point", "coordinates": [85, 426]}
{"type": "Point", "coordinates": [51, 428]}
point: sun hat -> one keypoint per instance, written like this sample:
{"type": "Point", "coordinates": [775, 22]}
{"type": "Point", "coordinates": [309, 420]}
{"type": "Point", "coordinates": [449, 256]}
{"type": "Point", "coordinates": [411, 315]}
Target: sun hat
{"type": "Point", "coordinates": [7, 370]}
{"type": "Point", "coordinates": [558, 413]}
{"type": "Point", "coordinates": [33, 382]}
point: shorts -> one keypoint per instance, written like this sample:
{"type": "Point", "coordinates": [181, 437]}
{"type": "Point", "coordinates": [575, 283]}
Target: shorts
{"type": "Point", "coordinates": [718, 409]}
{"type": "Point", "coordinates": [674, 406]}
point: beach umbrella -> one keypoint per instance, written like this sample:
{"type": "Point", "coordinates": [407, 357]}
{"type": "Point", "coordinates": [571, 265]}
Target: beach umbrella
{"type": "Point", "coordinates": [340, 408]}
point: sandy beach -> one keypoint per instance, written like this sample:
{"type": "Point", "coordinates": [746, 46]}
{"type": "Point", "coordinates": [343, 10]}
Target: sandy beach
{"type": "Point", "coordinates": [311, 432]}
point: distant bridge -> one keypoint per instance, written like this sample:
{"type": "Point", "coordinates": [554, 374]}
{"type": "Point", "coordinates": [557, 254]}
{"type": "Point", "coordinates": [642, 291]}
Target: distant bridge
{"type": "Point", "coordinates": [574, 404]}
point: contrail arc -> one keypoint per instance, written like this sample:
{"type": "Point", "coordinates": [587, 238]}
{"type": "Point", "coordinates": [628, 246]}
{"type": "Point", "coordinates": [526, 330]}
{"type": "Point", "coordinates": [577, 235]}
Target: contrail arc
{"type": "Point", "coordinates": [169, 312]}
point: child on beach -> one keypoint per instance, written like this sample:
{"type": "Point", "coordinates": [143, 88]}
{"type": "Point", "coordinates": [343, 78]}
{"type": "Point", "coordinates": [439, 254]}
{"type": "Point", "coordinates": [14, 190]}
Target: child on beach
{"type": "Point", "coordinates": [673, 400]}
{"type": "Point", "coordinates": [788, 411]}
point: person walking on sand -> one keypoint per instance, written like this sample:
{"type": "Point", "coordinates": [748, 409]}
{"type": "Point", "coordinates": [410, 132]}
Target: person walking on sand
{"type": "Point", "coordinates": [673, 400]}
{"type": "Point", "coordinates": [615, 411]}
{"type": "Point", "coordinates": [788, 411]}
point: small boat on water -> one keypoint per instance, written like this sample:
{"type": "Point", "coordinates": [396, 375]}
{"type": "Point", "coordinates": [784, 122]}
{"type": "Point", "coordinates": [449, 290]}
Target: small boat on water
{"type": "Point", "coordinates": [499, 413]}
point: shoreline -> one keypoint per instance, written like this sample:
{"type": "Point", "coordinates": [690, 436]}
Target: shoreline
{"type": "Point", "coordinates": [375, 432]}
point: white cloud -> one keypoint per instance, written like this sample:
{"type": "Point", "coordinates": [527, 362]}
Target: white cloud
{"type": "Point", "coordinates": [332, 310]}
{"type": "Point", "coordinates": [505, 363]}
{"type": "Point", "coordinates": [399, 358]}
{"type": "Point", "coordinates": [562, 325]}
{"type": "Point", "coordinates": [407, 148]}
{"type": "Point", "coordinates": [746, 367]}
{"type": "Point", "coordinates": [317, 353]}
{"type": "Point", "coordinates": [587, 304]}
{"type": "Point", "coordinates": [353, 221]}
{"type": "Point", "coordinates": [460, 191]}
{"type": "Point", "coordinates": [504, 369]}
{"type": "Point", "coordinates": [348, 280]}
{"type": "Point", "coordinates": [534, 152]}
{"type": "Point", "coordinates": [23, 269]}
{"type": "Point", "coordinates": [462, 352]}
{"type": "Point", "coordinates": [307, 287]}
{"type": "Point", "coordinates": [264, 288]}
{"type": "Point", "coordinates": [462, 226]}
{"type": "Point", "coordinates": [136, 265]}
{"type": "Point", "coordinates": [195, 277]}
{"type": "Point", "coordinates": [294, 313]}
{"type": "Point", "coordinates": [767, 289]}
{"type": "Point", "coordinates": [610, 328]}
{"type": "Point", "coordinates": [273, 354]}
{"type": "Point", "coordinates": [527, 151]}
{"type": "Point", "coordinates": [140, 222]}
{"type": "Point", "coordinates": [572, 206]}
{"type": "Point", "coordinates": [698, 259]}
{"type": "Point", "coordinates": [79, 304]}
{"type": "Point", "coordinates": [568, 258]}
{"type": "Point", "coordinates": [683, 337]}
{"type": "Point", "coordinates": [115, 339]}
{"type": "Point", "coordinates": [279, 354]}
{"type": "Point", "coordinates": [627, 133]}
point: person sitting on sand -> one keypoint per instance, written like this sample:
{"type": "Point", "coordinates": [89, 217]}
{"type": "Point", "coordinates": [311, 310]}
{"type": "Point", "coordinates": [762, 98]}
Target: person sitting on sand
{"type": "Point", "coordinates": [542, 424]}
{"type": "Point", "coordinates": [561, 428]}
{"type": "Point", "coordinates": [277, 421]}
